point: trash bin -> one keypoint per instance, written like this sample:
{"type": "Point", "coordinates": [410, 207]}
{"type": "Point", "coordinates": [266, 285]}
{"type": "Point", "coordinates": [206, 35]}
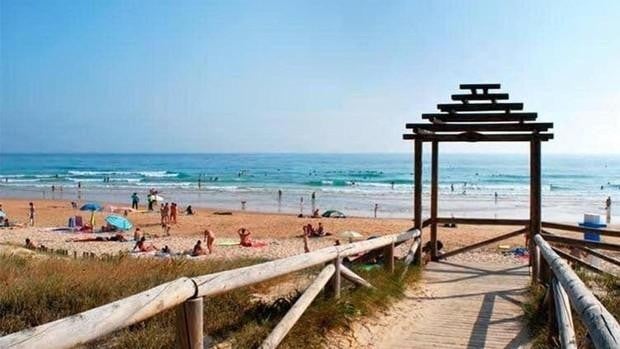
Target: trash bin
{"type": "Point", "coordinates": [592, 221]}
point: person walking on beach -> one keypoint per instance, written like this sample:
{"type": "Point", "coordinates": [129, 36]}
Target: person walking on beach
{"type": "Point", "coordinates": [209, 237]}
{"type": "Point", "coordinates": [313, 200]}
{"type": "Point", "coordinates": [31, 212]}
{"type": "Point", "coordinates": [608, 209]}
{"type": "Point", "coordinates": [134, 201]}
{"type": "Point", "coordinates": [376, 209]}
{"type": "Point", "coordinates": [173, 213]}
{"type": "Point", "coordinates": [301, 206]}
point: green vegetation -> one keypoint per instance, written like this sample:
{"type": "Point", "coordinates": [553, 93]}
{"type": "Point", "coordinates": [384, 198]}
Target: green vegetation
{"type": "Point", "coordinates": [607, 290]}
{"type": "Point", "coordinates": [38, 290]}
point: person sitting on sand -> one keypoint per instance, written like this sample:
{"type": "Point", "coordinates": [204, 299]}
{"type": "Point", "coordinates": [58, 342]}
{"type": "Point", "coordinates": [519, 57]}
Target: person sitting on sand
{"type": "Point", "coordinates": [315, 214]}
{"type": "Point", "coordinates": [198, 250]}
{"type": "Point", "coordinates": [189, 211]}
{"type": "Point", "coordinates": [117, 237]}
{"type": "Point", "coordinates": [209, 237]}
{"type": "Point", "coordinates": [6, 223]}
{"type": "Point", "coordinates": [308, 230]}
{"type": "Point", "coordinates": [142, 247]}
{"type": "Point", "coordinates": [320, 231]}
{"type": "Point", "coordinates": [244, 237]}
{"type": "Point", "coordinates": [30, 245]}
{"type": "Point", "coordinates": [166, 250]}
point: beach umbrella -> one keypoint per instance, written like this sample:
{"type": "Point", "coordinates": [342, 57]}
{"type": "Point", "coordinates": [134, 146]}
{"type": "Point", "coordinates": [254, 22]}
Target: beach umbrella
{"type": "Point", "coordinates": [120, 222]}
{"type": "Point", "coordinates": [333, 214]}
{"type": "Point", "coordinates": [92, 207]}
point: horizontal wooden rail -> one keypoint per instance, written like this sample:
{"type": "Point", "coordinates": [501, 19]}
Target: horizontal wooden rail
{"type": "Point", "coordinates": [602, 326]}
{"type": "Point", "coordinates": [579, 261]}
{"type": "Point", "coordinates": [582, 243]}
{"type": "Point", "coordinates": [577, 228]}
{"type": "Point", "coordinates": [98, 322]}
{"type": "Point", "coordinates": [483, 243]}
{"type": "Point", "coordinates": [217, 283]}
{"type": "Point", "coordinates": [482, 221]}
{"type": "Point", "coordinates": [481, 117]}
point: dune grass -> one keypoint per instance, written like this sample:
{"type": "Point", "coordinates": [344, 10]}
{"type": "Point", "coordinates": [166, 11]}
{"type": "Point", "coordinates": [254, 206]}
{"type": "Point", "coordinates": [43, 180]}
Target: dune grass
{"type": "Point", "coordinates": [38, 290]}
{"type": "Point", "coordinates": [607, 290]}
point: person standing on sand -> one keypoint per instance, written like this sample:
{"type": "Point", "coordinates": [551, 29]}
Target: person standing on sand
{"type": "Point", "coordinates": [313, 200]}
{"type": "Point", "coordinates": [135, 200]}
{"type": "Point", "coordinates": [31, 213]}
{"type": "Point", "coordinates": [608, 209]}
{"type": "Point", "coordinates": [173, 213]}
{"type": "Point", "coordinates": [376, 209]}
{"type": "Point", "coordinates": [209, 237]}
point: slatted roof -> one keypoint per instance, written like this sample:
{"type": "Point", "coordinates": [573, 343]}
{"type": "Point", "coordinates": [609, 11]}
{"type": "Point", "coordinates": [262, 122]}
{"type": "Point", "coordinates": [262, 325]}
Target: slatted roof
{"type": "Point", "coordinates": [480, 116]}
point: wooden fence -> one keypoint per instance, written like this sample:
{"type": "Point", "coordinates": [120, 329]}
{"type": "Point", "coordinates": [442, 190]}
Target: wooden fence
{"type": "Point", "coordinates": [565, 290]}
{"type": "Point", "coordinates": [187, 293]}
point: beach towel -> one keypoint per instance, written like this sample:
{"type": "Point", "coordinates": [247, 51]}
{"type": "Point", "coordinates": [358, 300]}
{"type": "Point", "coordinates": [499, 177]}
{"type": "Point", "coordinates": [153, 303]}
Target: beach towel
{"type": "Point", "coordinates": [226, 242]}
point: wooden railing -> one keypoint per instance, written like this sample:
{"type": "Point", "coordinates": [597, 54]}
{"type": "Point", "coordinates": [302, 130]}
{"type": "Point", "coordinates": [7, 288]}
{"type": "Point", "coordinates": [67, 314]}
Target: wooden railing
{"type": "Point", "coordinates": [187, 293]}
{"type": "Point", "coordinates": [565, 289]}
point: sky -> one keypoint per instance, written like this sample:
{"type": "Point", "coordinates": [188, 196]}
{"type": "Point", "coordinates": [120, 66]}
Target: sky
{"type": "Point", "coordinates": [296, 76]}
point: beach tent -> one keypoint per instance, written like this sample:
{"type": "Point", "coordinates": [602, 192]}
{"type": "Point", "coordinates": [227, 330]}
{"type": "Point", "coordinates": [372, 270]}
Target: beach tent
{"type": "Point", "coordinates": [333, 214]}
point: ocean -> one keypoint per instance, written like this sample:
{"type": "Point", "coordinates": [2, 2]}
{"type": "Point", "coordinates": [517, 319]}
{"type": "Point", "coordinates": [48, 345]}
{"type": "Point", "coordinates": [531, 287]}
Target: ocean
{"type": "Point", "coordinates": [352, 183]}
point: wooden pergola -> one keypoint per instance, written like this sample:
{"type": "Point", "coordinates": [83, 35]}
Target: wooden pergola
{"type": "Point", "coordinates": [481, 115]}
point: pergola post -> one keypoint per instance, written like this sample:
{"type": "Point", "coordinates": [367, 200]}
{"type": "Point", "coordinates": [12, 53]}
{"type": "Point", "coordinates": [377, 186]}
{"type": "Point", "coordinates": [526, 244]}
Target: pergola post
{"type": "Point", "coordinates": [535, 203]}
{"type": "Point", "coordinates": [417, 195]}
{"type": "Point", "coordinates": [434, 198]}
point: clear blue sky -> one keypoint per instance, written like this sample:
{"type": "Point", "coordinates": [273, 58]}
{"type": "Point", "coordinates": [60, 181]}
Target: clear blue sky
{"type": "Point", "coordinates": [296, 76]}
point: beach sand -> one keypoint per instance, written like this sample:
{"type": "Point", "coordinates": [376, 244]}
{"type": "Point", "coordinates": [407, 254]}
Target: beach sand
{"type": "Point", "coordinates": [280, 232]}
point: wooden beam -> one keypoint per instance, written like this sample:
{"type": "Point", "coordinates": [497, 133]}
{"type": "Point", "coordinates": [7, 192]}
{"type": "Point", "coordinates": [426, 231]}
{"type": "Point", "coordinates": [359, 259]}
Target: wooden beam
{"type": "Point", "coordinates": [480, 117]}
{"type": "Point", "coordinates": [604, 257]}
{"type": "Point", "coordinates": [427, 222]}
{"type": "Point", "coordinates": [478, 137]}
{"type": "Point", "coordinates": [563, 316]}
{"type": "Point", "coordinates": [483, 243]}
{"type": "Point", "coordinates": [582, 243]}
{"type": "Point", "coordinates": [483, 221]}
{"type": "Point", "coordinates": [580, 262]}
{"type": "Point", "coordinates": [479, 86]}
{"type": "Point", "coordinates": [388, 258]}
{"type": "Point", "coordinates": [456, 107]}
{"type": "Point", "coordinates": [86, 326]}
{"type": "Point", "coordinates": [535, 203]}
{"type": "Point", "coordinates": [560, 226]}
{"type": "Point", "coordinates": [480, 97]}
{"type": "Point", "coordinates": [502, 127]}
{"type": "Point", "coordinates": [417, 196]}
{"type": "Point", "coordinates": [414, 250]}
{"type": "Point", "coordinates": [288, 321]}
{"type": "Point", "coordinates": [602, 326]}
{"type": "Point", "coordinates": [354, 278]}
{"type": "Point", "coordinates": [434, 197]}
{"type": "Point", "coordinates": [189, 324]}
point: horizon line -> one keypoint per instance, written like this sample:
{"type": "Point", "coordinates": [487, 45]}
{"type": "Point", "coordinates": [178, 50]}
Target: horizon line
{"type": "Point", "coordinates": [296, 153]}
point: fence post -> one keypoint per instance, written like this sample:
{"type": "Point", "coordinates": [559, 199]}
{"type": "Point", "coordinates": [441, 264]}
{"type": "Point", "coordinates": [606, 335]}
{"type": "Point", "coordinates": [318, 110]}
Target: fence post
{"type": "Point", "coordinates": [388, 256]}
{"type": "Point", "coordinates": [333, 289]}
{"type": "Point", "coordinates": [189, 324]}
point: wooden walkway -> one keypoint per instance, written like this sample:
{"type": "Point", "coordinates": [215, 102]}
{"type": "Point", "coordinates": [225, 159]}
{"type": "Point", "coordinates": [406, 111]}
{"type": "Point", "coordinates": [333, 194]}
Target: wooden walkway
{"type": "Point", "coordinates": [470, 305]}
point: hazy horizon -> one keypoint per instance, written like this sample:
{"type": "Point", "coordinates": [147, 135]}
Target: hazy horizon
{"type": "Point", "coordinates": [296, 77]}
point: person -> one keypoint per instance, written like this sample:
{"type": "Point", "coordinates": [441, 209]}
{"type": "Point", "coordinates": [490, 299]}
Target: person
{"type": "Point", "coordinates": [134, 201]}
{"type": "Point", "coordinates": [198, 250]}
{"type": "Point", "coordinates": [163, 213]}
{"type": "Point", "coordinates": [320, 231]}
{"type": "Point", "coordinates": [173, 213]}
{"type": "Point", "coordinates": [496, 196]}
{"type": "Point", "coordinates": [142, 247]}
{"type": "Point", "coordinates": [31, 213]}
{"type": "Point", "coordinates": [244, 237]}
{"type": "Point", "coordinates": [315, 214]}
{"type": "Point", "coordinates": [79, 185]}
{"type": "Point", "coordinates": [279, 195]}
{"type": "Point", "coordinates": [337, 242]}
{"type": "Point", "coordinates": [117, 237]}
{"type": "Point", "coordinates": [189, 211]}
{"type": "Point", "coordinates": [150, 199]}
{"type": "Point", "coordinates": [313, 200]}
{"type": "Point", "coordinates": [166, 250]}
{"type": "Point", "coordinates": [306, 248]}
{"type": "Point", "coordinates": [137, 234]}
{"type": "Point", "coordinates": [209, 237]}
{"type": "Point", "coordinates": [166, 229]}
{"type": "Point", "coordinates": [452, 187]}
{"type": "Point", "coordinates": [29, 244]}
{"type": "Point", "coordinates": [74, 205]}
{"type": "Point", "coordinates": [308, 230]}
{"type": "Point", "coordinates": [376, 209]}
{"type": "Point", "coordinates": [608, 209]}
{"type": "Point", "coordinates": [6, 223]}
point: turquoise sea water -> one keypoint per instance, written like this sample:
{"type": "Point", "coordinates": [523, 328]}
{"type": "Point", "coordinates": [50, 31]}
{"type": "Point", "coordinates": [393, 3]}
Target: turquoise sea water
{"type": "Point", "coordinates": [353, 183]}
